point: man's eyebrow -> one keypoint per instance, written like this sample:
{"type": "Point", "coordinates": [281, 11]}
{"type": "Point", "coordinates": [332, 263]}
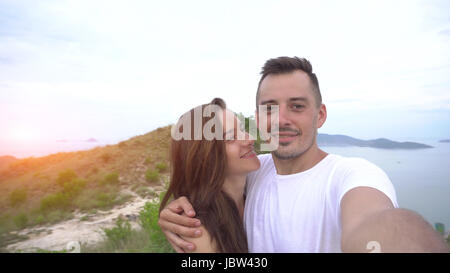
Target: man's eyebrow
{"type": "Point", "coordinates": [299, 98]}
{"type": "Point", "coordinates": [290, 99]}
{"type": "Point", "coordinates": [268, 101]}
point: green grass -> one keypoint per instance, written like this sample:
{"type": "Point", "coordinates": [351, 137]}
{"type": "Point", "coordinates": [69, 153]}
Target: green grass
{"type": "Point", "coordinates": [122, 239]}
{"type": "Point", "coordinates": [149, 221]}
{"type": "Point", "coordinates": [40, 219]}
{"type": "Point", "coordinates": [70, 187]}
{"type": "Point", "coordinates": [73, 187]}
{"type": "Point", "coordinates": [118, 234]}
{"type": "Point", "coordinates": [100, 198]}
{"type": "Point", "coordinates": [58, 216]}
{"type": "Point", "coordinates": [110, 179]}
{"type": "Point", "coordinates": [161, 167]}
{"type": "Point", "coordinates": [65, 176]}
{"type": "Point", "coordinates": [144, 192]}
{"type": "Point", "coordinates": [7, 239]}
{"type": "Point", "coordinates": [55, 201]}
{"type": "Point", "coordinates": [148, 160]}
{"type": "Point", "coordinates": [21, 220]}
{"type": "Point", "coordinates": [42, 190]}
{"type": "Point", "coordinates": [133, 242]}
{"type": "Point", "coordinates": [152, 175]}
{"type": "Point", "coordinates": [17, 197]}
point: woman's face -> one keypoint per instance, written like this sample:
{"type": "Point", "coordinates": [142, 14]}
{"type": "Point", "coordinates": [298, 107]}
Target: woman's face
{"type": "Point", "coordinates": [241, 157]}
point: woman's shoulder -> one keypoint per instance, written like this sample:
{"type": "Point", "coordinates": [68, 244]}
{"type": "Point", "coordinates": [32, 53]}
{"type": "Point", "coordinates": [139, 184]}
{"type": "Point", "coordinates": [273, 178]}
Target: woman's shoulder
{"type": "Point", "coordinates": [204, 243]}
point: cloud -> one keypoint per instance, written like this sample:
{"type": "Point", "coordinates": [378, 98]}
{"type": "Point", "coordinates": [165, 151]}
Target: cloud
{"type": "Point", "coordinates": [129, 67]}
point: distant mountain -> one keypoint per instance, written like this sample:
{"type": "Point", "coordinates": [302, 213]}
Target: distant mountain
{"type": "Point", "coordinates": [91, 140]}
{"type": "Point", "coordinates": [381, 143]}
{"type": "Point", "coordinates": [5, 160]}
{"type": "Point", "coordinates": [445, 140]}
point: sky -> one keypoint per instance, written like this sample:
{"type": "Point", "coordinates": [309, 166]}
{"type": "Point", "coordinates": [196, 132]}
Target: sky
{"type": "Point", "coordinates": [110, 70]}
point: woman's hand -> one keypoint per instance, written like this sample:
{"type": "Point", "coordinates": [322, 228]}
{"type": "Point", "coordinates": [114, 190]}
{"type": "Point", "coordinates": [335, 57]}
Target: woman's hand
{"type": "Point", "coordinates": [177, 219]}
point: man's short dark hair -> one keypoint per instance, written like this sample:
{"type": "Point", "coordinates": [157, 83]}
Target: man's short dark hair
{"type": "Point", "coordinates": [286, 65]}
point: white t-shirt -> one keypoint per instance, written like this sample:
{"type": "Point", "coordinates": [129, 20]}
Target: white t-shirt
{"type": "Point", "coordinates": [301, 212]}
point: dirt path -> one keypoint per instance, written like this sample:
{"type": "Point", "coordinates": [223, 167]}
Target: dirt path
{"type": "Point", "coordinates": [58, 236]}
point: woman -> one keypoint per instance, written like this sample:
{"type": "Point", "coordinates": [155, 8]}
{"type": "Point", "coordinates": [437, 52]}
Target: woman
{"type": "Point", "coordinates": [211, 174]}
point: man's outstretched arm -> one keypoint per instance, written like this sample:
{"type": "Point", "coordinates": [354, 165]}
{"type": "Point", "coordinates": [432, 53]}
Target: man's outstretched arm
{"type": "Point", "coordinates": [370, 222]}
{"type": "Point", "coordinates": [177, 219]}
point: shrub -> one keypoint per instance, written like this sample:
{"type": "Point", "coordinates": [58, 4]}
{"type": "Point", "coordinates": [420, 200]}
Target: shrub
{"type": "Point", "coordinates": [161, 167]}
{"type": "Point", "coordinates": [112, 179]}
{"type": "Point", "coordinates": [100, 198]}
{"type": "Point", "coordinates": [65, 176]}
{"type": "Point", "coordinates": [21, 220]}
{"type": "Point", "coordinates": [40, 220]}
{"type": "Point", "coordinates": [149, 221]}
{"type": "Point", "coordinates": [17, 197]}
{"type": "Point", "coordinates": [118, 234]}
{"type": "Point", "coordinates": [58, 215]}
{"type": "Point", "coordinates": [152, 175]}
{"type": "Point", "coordinates": [55, 201]}
{"type": "Point", "coordinates": [105, 199]}
{"type": "Point", "coordinates": [134, 241]}
{"type": "Point", "coordinates": [73, 187]}
{"type": "Point", "coordinates": [87, 200]}
{"type": "Point", "coordinates": [145, 192]}
{"type": "Point", "coordinates": [70, 189]}
{"type": "Point", "coordinates": [148, 160]}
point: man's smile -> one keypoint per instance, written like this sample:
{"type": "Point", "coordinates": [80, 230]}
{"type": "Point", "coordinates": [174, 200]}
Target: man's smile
{"type": "Point", "coordinates": [287, 135]}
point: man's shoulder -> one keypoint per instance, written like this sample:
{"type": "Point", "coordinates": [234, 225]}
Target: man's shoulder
{"type": "Point", "coordinates": [353, 172]}
{"type": "Point", "coordinates": [343, 168]}
{"type": "Point", "coordinates": [354, 163]}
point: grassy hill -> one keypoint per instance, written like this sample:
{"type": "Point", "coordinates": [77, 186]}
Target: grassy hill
{"type": "Point", "coordinates": [6, 160]}
{"type": "Point", "coordinates": [49, 189]}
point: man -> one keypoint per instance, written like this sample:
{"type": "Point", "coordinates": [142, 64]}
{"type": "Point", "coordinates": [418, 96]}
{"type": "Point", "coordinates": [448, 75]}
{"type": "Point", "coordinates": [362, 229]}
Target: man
{"type": "Point", "coordinates": [305, 200]}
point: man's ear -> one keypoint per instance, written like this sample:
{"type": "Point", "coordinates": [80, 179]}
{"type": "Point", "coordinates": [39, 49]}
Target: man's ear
{"type": "Point", "coordinates": [322, 115]}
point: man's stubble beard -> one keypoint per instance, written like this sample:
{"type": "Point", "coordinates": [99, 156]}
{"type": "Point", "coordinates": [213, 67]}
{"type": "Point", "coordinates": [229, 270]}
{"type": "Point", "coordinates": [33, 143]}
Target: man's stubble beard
{"type": "Point", "coordinates": [294, 154]}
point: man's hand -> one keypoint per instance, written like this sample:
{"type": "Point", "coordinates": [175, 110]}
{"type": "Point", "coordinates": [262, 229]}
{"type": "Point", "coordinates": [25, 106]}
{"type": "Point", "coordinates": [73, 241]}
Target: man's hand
{"type": "Point", "coordinates": [369, 216]}
{"type": "Point", "coordinates": [176, 219]}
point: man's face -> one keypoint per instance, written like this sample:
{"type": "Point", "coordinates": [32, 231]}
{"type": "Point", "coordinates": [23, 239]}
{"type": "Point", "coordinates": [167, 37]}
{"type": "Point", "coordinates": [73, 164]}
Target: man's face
{"type": "Point", "coordinates": [299, 115]}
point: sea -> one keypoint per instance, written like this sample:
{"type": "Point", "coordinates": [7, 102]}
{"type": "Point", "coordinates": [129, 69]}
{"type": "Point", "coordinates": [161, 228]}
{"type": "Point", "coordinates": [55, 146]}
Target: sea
{"type": "Point", "coordinates": [421, 177]}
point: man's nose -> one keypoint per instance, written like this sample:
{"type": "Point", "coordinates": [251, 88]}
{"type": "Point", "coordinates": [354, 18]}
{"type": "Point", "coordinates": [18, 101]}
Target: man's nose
{"type": "Point", "coordinates": [284, 116]}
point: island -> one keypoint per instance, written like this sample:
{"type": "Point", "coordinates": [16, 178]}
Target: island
{"type": "Point", "coordinates": [445, 141]}
{"type": "Point", "coordinates": [381, 143]}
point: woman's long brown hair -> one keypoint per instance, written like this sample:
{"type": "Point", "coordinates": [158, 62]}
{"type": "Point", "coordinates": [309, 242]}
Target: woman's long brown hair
{"type": "Point", "coordinates": [198, 169]}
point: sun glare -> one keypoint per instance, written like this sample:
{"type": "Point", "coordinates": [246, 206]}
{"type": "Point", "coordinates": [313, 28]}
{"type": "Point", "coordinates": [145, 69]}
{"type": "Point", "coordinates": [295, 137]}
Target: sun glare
{"type": "Point", "coordinates": [23, 134]}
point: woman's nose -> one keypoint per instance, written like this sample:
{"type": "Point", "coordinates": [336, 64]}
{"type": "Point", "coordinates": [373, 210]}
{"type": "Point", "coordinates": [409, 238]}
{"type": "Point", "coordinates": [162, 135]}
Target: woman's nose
{"type": "Point", "coordinates": [248, 139]}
